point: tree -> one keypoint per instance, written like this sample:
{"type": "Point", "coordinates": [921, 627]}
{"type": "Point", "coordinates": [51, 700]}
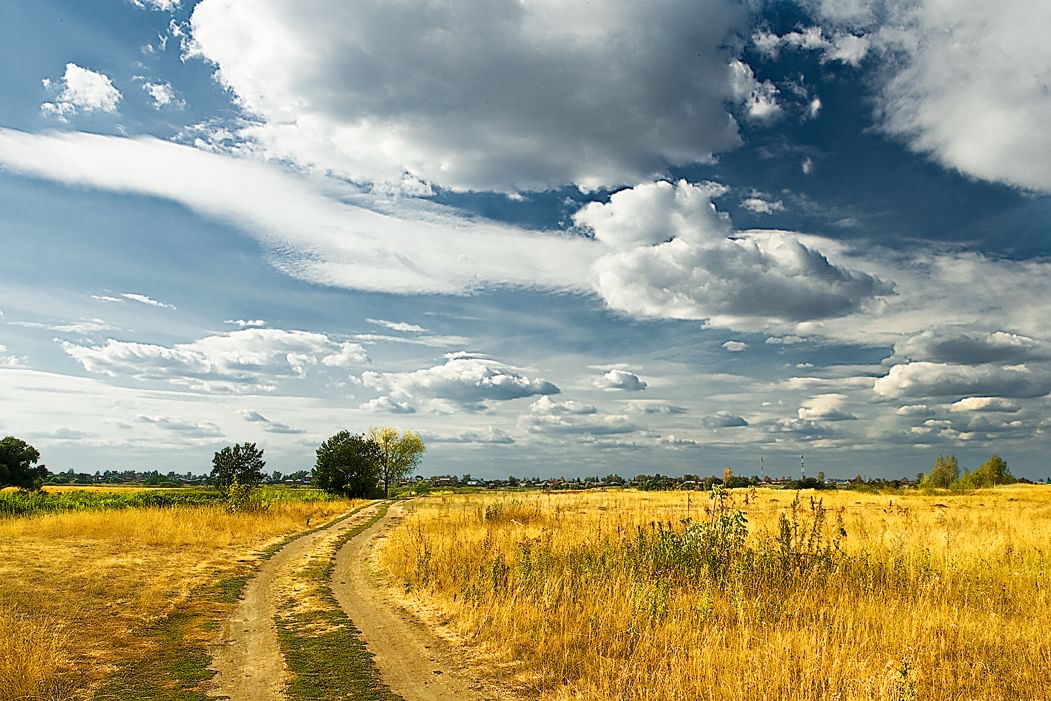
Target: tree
{"type": "Point", "coordinates": [241, 463]}
{"type": "Point", "coordinates": [348, 465]}
{"type": "Point", "coordinates": [400, 454]}
{"type": "Point", "coordinates": [992, 472]}
{"type": "Point", "coordinates": [18, 465]}
{"type": "Point", "coordinates": [944, 473]}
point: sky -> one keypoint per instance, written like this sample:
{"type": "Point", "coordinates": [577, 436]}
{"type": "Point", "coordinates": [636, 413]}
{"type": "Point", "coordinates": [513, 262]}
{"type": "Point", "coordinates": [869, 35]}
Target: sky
{"type": "Point", "coordinates": [556, 239]}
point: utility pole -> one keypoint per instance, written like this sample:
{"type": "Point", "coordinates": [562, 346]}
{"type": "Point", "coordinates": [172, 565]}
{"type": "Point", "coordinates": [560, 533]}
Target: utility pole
{"type": "Point", "coordinates": [762, 470]}
{"type": "Point", "coordinates": [802, 467]}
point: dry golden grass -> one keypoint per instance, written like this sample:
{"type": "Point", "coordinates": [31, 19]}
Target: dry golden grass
{"type": "Point", "coordinates": [80, 587]}
{"type": "Point", "coordinates": [927, 597]}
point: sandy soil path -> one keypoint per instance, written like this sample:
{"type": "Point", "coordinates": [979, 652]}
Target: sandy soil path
{"type": "Point", "coordinates": [249, 662]}
{"type": "Point", "coordinates": [415, 663]}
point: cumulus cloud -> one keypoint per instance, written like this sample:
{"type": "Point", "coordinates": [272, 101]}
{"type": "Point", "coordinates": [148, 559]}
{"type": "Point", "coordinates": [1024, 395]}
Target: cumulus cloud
{"type": "Point", "coordinates": [387, 405]}
{"type": "Point", "coordinates": [679, 258]}
{"type": "Point", "coordinates": [997, 404]}
{"type": "Point", "coordinates": [724, 419]}
{"type": "Point", "coordinates": [82, 90]}
{"type": "Point", "coordinates": [761, 203]}
{"type": "Point", "coordinates": [788, 340]}
{"type": "Point", "coordinates": [246, 323]}
{"type": "Point", "coordinates": [759, 99]}
{"type": "Point", "coordinates": [268, 425]}
{"type": "Point", "coordinates": [521, 96]}
{"type": "Point", "coordinates": [620, 380]}
{"type": "Point", "coordinates": [965, 82]}
{"type": "Point", "coordinates": [167, 5]}
{"type": "Point", "coordinates": [926, 379]}
{"type": "Point", "coordinates": [735, 346]}
{"type": "Point", "coordinates": [547, 406]}
{"type": "Point", "coordinates": [162, 94]}
{"type": "Point", "coordinates": [840, 46]}
{"type": "Point", "coordinates": [825, 407]}
{"type": "Point", "coordinates": [951, 345]}
{"type": "Point", "coordinates": [238, 361]}
{"type": "Point", "coordinates": [470, 381]}
{"type": "Point", "coordinates": [10, 360]}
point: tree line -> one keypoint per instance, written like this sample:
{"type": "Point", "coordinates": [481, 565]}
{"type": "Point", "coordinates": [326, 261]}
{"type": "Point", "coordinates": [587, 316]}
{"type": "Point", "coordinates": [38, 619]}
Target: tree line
{"type": "Point", "coordinates": [348, 465]}
{"type": "Point", "coordinates": [945, 474]}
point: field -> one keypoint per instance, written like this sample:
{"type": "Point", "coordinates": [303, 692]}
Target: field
{"type": "Point", "coordinates": [678, 596]}
{"type": "Point", "coordinates": [103, 602]}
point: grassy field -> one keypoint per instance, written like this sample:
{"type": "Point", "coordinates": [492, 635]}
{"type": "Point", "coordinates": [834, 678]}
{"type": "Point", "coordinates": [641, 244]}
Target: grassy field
{"type": "Point", "coordinates": [676, 596]}
{"type": "Point", "coordinates": [123, 602]}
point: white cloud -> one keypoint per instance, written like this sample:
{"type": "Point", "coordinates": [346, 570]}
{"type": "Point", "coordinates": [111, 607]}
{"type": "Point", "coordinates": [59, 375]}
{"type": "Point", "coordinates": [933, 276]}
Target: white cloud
{"type": "Point", "coordinates": [680, 259]}
{"type": "Point", "coordinates": [926, 379]}
{"type": "Point", "coordinates": [840, 46]}
{"type": "Point", "coordinates": [724, 419]}
{"type": "Point", "coordinates": [162, 94]}
{"type": "Point", "coordinates": [952, 345]}
{"type": "Point", "coordinates": [417, 248]}
{"type": "Point", "coordinates": [997, 404]}
{"type": "Point", "coordinates": [735, 346]}
{"type": "Point", "coordinates": [83, 90]}
{"type": "Point", "coordinates": [166, 5]}
{"type": "Point", "coordinates": [617, 91]}
{"type": "Point", "coordinates": [825, 407]}
{"type": "Point", "coordinates": [784, 340]}
{"type": "Point", "coordinates": [964, 81]}
{"type": "Point", "coordinates": [268, 425]}
{"type": "Point", "coordinates": [549, 407]}
{"type": "Point", "coordinates": [620, 380]}
{"type": "Point", "coordinates": [807, 166]}
{"type": "Point", "coordinates": [9, 360]}
{"type": "Point", "coordinates": [400, 326]}
{"type": "Point", "coordinates": [760, 203]}
{"type": "Point", "coordinates": [246, 323]}
{"type": "Point", "coordinates": [348, 355]}
{"type": "Point", "coordinates": [759, 99]}
{"type": "Point", "coordinates": [387, 405]}
{"type": "Point", "coordinates": [145, 299]}
{"type": "Point", "coordinates": [467, 380]}
{"type": "Point", "coordinates": [238, 361]}
{"type": "Point", "coordinates": [427, 341]}
{"type": "Point", "coordinates": [813, 108]}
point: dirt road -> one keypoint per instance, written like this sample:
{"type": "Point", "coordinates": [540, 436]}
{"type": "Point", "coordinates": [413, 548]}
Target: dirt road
{"type": "Point", "coordinates": [249, 662]}
{"type": "Point", "coordinates": [415, 663]}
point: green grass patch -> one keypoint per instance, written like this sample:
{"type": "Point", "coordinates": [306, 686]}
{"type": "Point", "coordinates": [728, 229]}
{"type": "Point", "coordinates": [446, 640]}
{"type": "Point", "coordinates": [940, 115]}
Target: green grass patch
{"type": "Point", "coordinates": [323, 648]}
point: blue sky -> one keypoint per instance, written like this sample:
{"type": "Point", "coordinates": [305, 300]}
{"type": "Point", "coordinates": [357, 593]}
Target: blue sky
{"type": "Point", "coordinates": [619, 237]}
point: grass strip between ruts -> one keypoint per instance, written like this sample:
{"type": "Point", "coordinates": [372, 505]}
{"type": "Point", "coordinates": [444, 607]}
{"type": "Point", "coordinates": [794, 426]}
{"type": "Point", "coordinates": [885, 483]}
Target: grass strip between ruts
{"type": "Point", "coordinates": [177, 661]}
{"type": "Point", "coordinates": [322, 646]}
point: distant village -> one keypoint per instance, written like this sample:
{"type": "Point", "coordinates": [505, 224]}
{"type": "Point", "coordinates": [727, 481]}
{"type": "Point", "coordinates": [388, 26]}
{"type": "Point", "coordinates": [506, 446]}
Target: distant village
{"type": "Point", "coordinates": [419, 483]}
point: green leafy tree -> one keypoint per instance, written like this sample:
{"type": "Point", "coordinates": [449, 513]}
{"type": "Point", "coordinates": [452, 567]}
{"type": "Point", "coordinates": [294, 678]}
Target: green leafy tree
{"type": "Point", "coordinates": [990, 473]}
{"type": "Point", "coordinates": [241, 463]}
{"type": "Point", "coordinates": [400, 454]}
{"type": "Point", "coordinates": [18, 465]}
{"type": "Point", "coordinates": [348, 465]}
{"type": "Point", "coordinates": [943, 474]}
